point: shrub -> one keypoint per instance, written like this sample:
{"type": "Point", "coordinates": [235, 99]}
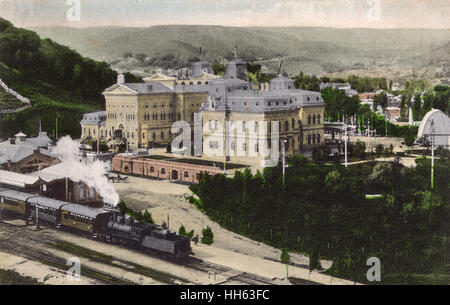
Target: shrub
{"type": "Point", "coordinates": [208, 236]}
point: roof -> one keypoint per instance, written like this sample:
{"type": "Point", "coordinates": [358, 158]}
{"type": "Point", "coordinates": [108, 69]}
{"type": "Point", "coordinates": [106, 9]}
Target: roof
{"type": "Point", "coordinates": [16, 195]}
{"type": "Point", "coordinates": [20, 134]}
{"type": "Point", "coordinates": [83, 210]}
{"type": "Point", "coordinates": [148, 88]}
{"type": "Point", "coordinates": [47, 202]}
{"type": "Point", "coordinates": [17, 179]}
{"type": "Point", "coordinates": [94, 118]}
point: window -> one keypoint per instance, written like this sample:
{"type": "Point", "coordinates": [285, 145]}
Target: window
{"type": "Point", "coordinates": [314, 138]}
{"type": "Point", "coordinates": [243, 126]}
{"type": "Point", "coordinates": [216, 125]}
{"type": "Point", "coordinates": [162, 135]}
{"type": "Point", "coordinates": [286, 126]}
{"type": "Point", "coordinates": [256, 148]}
{"type": "Point", "coordinates": [309, 119]}
{"type": "Point", "coordinates": [314, 119]}
{"type": "Point", "coordinates": [244, 146]}
{"type": "Point", "coordinates": [256, 126]}
{"type": "Point", "coordinates": [143, 135]}
{"type": "Point", "coordinates": [192, 117]}
{"type": "Point", "coordinates": [163, 171]}
{"type": "Point", "coordinates": [186, 174]}
{"type": "Point", "coordinates": [293, 123]}
{"type": "Point", "coordinates": [154, 136]}
{"type": "Point", "coordinates": [210, 124]}
{"type": "Point", "coordinates": [318, 138]}
{"type": "Point", "coordinates": [309, 139]}
{"type": "Point", "coordinates": [318, 119]}
{"type": "Point", "coordinates": [152, 169]}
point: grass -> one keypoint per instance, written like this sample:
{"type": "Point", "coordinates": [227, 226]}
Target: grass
{"type": "Point", "coordinates": [10, 277]}
{"type": "Point", "coordinates": [109, 260]}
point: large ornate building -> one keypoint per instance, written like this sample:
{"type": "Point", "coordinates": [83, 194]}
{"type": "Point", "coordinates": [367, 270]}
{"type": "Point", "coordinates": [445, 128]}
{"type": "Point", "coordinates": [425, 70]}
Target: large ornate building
{"type": "Point", "coordinates": [140, 115]}
{"type": "Point", "coordinates": [299, 113]}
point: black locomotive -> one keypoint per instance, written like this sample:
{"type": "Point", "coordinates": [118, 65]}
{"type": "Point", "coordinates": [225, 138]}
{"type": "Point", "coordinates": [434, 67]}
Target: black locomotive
{"type": "Point", "coordinates": [105, 224]}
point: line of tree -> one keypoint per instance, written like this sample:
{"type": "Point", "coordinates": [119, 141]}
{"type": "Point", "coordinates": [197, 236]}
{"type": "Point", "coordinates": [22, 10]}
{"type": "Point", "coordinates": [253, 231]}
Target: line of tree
{"type": "Point", "coordinates": [322, 211]}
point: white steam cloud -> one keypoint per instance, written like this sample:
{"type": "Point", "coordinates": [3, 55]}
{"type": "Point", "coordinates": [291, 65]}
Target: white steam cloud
{"type": "Point", "coordinates": [93, 174]}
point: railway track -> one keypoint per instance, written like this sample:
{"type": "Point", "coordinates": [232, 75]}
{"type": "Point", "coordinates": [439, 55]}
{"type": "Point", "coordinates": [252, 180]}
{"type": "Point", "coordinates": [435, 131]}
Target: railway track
{"type": "Point", "coordinates": [22, 241]}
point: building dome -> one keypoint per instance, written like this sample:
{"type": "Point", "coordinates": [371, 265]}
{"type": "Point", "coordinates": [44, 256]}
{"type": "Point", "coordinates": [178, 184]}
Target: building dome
{"type": "Point", "coordinates": [282, 83]}
{"type": "Point", "coordinates": [236, 69]}
{"type": "Point", "coordinates": [201, 67]}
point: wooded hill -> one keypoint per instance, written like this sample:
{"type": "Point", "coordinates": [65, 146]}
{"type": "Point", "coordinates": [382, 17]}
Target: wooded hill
{"type": "Point", "coordinates": [55, 78]}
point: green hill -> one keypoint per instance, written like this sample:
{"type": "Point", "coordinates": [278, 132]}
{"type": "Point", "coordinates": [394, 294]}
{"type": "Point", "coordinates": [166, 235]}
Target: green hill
{"type": "Point", "coordinates": [55, 78]}
{"type": "Point", "coordinates": [311, 49]}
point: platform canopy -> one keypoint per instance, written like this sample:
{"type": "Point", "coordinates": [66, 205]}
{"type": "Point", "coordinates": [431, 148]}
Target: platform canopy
{"type": "Point", "coordinates": [435, 127]}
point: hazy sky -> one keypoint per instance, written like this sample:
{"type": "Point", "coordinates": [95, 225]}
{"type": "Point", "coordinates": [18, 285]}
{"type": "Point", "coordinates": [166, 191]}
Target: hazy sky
{"type": "Point", "coordinates": [329, 13]}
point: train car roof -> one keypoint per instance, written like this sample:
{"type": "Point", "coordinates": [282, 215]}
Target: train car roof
{"type": "Point", "coordinates": [47, 202]}
{"type": "Point", "coordinates": [16, 195]}
{"type": "Point", "coordinates": [84, 210]}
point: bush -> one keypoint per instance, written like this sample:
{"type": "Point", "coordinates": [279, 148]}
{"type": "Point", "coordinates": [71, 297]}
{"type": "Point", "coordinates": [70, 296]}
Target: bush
{"type": "Point", "coordinates": [208, 236]}
{"type": "Point", "coordinates": [182, 232]}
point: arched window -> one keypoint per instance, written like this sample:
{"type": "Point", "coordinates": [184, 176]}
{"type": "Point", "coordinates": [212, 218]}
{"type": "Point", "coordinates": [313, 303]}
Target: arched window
{"type": "Point", "coordinates": [318, 119]}
{"type": "Point", "coordinates": [243, 127]}
{"type": "Point", "coordinates": [186, 174]}
{"type": "Point", "coordinates": [309, 139]}
{"type": "Point", "coordinates": [286, 126]}
{"type": "Point", "coordinates": [163, 171]}
{"type": "Point", "coordinates": [309, 119]}
{"type": "Point", "coordinates": [256, 127]}
{"type": "Point", "coordinates": [256, 148]}
{"type": "Point", "coordinates": [314, 119]}
{"type": "Point", "coordinates": [293, 123]}
{"type": "Point", "coordinates": [314, 138]}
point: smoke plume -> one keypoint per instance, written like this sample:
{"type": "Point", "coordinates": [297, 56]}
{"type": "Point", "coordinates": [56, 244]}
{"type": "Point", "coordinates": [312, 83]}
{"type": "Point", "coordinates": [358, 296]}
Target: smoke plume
{"type": "Point", "coordinates": [93, 174]}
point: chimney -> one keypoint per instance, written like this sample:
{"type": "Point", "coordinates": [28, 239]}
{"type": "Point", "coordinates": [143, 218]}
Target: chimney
{"type": "Point", "coordinates": [121, 79]}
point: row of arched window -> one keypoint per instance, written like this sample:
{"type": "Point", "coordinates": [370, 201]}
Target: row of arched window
{"type": "Point", "coordinates": [313, 119]}
{"type": "Point", "coordinates": [314, 139]}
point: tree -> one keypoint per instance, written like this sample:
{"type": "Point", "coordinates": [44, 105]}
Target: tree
{"type": "Point", "coordinates": [207, 236]}
{"type": "Point", "coordinates": [379, 149]}
{"type": "Point", "coordinates": [182, 232]}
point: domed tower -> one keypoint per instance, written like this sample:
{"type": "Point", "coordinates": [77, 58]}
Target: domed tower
{"type": "Point", "coordinates": [201, 67]}
{"type": "Point", "coordinates": [236, 69]}
{"type": "Point", "coordinates": [282, 83]}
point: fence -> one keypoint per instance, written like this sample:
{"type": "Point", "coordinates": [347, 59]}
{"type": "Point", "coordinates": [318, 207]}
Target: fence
{"type": "Point", "coordinates": [12, 92]}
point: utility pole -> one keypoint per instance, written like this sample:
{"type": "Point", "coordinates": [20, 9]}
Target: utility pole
{"type": "Point", "coordinates": [432, 162]}
{"type": "Point", "coordinates": [57, 125]}
{"type": "Point", "coordinates": [345, 139]}
{"type": "Point", "coordinates": [283, 150]}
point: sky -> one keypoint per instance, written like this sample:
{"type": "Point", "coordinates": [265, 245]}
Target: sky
{"type": "Point", "coordinates": [144, 13]}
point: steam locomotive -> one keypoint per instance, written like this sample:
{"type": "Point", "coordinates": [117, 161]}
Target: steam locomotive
{"type": "Point", "coordinates": [104, 224]}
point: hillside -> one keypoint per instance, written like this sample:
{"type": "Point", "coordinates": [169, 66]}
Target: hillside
{"type": "Point", "coordinates": [56, 79]}
{"type": "Point", "coordinates": [313, 50]}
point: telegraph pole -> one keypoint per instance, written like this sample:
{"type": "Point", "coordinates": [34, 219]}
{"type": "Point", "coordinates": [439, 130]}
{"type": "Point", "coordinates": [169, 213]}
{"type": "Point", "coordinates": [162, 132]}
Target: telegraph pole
{"type": "Point", "coordinates": [432, 163]}
{"type": "Point", "coordinates": [345, 139]}
{"type": "Point", "coordinates": [283, 150]}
